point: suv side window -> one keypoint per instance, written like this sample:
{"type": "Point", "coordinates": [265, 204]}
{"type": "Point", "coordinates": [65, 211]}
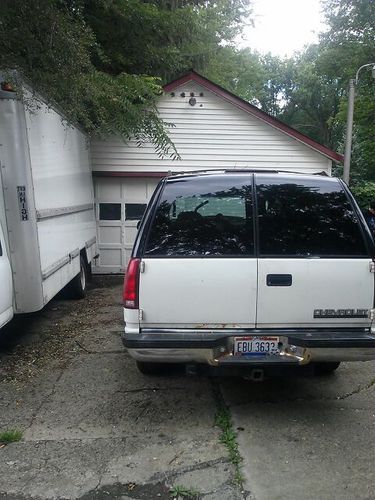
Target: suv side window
{"type": "Point", "coordinates": [199, 217]}
{"type": "Point", "coordinates": [300, 218]}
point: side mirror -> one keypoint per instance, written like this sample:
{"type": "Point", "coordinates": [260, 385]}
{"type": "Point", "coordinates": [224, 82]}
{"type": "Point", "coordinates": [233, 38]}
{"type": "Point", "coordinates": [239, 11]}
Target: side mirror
{"type": "Point", "coordinates": [138, 224]}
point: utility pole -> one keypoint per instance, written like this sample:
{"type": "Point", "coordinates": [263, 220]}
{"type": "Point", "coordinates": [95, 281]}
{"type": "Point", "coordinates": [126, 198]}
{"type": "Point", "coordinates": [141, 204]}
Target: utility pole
{"type": "Point", "coordinates": [349, 131]}
{"type": "Point", "coordinates": [349, 121]}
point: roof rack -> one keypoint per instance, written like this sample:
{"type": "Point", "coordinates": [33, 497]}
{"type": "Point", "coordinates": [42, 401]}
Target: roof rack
{"type": "Point", "coordinates": [242, 170]}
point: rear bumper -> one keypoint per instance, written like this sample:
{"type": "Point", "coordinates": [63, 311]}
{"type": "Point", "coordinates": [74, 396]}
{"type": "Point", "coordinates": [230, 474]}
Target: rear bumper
{"type": "Point", "coordinates": [216, 347]}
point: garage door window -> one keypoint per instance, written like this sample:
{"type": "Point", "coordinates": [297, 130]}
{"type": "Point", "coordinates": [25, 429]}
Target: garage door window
{"type": "Point", "coordinates": [134, 211]}
{"type": "Point", "coordinates": [110, 211]}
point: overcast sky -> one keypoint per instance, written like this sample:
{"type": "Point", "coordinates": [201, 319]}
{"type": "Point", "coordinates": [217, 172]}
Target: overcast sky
{"type": "Point", "coordinates": [283, 26]}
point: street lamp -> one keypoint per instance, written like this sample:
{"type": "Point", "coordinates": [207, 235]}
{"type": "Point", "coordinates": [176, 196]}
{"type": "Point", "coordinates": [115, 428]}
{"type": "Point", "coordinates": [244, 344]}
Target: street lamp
{"type": "Point", "coordinates": [349, 123]}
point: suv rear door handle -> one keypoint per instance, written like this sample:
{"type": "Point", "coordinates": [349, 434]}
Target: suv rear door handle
{"type": "Point", "coordinates": [279, 280]}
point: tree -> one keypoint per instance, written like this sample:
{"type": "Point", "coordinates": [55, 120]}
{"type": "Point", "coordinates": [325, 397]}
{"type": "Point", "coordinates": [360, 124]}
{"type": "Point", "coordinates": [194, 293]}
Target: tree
{"type": "Point", "coordinates": [103, 61]}
{"type": "Point", "coordinates": [314, 86]}
{"type": "Point", "coordinates": [162, 37]}
{"type": "Point", "coordinates": [312, 98]}
{"type": "Point", "coordinates": [52, 46]}
{"type": "Point", "coordinates": [349, 43]}
{"type": "Point", "coordinates": [259, 79]}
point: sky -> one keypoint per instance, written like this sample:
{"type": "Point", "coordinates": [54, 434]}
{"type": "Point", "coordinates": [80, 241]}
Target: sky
{"type": "Point", "coordinates": [283, 26]}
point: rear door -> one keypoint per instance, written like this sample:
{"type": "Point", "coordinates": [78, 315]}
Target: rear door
{"type": "Point", "coordinates": [314, 267]}
{"type": "Point", "coordinates": [200, 269]}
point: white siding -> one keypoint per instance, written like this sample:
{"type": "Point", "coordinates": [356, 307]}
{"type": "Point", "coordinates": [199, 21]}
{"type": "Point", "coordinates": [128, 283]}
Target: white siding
{"type": "Point", "coordinates": [212, 134]}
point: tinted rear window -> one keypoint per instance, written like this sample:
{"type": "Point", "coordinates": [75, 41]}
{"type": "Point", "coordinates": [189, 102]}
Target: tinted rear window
{"type": "Point", "coordinates": [204, 216]}
{"type": "Point", "coordinates": [308, 218]}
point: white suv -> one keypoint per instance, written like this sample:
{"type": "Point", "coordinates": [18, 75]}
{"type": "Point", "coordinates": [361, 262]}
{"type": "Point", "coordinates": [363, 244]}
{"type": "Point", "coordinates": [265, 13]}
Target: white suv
{"type": "Point", "coordinates": [246, 269]}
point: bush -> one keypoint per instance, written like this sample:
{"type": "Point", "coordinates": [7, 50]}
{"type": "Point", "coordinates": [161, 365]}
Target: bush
{"type": "Point", "coordinates": [364, 193]}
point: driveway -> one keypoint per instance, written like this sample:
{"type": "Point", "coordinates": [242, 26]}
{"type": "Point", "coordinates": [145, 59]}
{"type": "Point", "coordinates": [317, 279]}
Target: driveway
{"type": "Point", "coordinates": [93, 427]}
{"type": "Point", "coordinates": [308, 438]}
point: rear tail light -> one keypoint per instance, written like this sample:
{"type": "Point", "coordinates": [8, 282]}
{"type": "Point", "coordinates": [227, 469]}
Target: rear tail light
{"type": "Point", "coordinates": [131, 285]}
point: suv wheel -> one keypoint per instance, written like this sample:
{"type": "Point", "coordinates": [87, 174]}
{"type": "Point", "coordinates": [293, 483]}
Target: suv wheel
{"type": "Point", "coordinates": [326, 368]}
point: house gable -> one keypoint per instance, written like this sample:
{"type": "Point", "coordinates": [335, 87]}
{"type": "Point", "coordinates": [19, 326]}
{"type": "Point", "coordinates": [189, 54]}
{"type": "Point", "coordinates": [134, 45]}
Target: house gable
{"type": "Point", "coordinates": [218, 131]}
{"type": "Point", "coordinates": [252, 110]}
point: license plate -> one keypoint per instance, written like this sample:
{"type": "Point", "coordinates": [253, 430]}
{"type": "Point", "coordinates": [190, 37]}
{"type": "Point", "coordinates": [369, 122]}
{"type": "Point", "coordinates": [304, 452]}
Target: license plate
{"type": "Point", "coordinates": [256, 346]}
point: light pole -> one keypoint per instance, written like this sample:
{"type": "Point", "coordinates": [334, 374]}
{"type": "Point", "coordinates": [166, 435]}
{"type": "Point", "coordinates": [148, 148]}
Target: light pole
{"type": "Point", "coordinates": [349, 122]}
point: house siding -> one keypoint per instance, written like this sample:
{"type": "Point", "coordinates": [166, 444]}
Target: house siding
{"type": "Point", "coordinates": [212, 134]}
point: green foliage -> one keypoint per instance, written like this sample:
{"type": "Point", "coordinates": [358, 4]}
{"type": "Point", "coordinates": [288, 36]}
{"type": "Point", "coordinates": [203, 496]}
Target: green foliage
{"type": "Point", "coordinates": [179, 491]}
{"type": "Point", "coordinates": [312, 98]}
{"type": "Point", "coordinates": [350, 21]}
{"type": "Point", "coordinates": [229, 439]}
{"type": "Point", "coordinates": [259, 79]}
{"type": "Point", "coordinates": [314, 84]}
{"type": "Point", "coordinates": [52, 46]}
{"type": "Point", "coordinates": [364, 193]}
{"type": "Point", "coordinates": [10, 436]}
{"type": "Point", "coordinates": [163, 38]}
{"type": "Point", "coordinates": [103, 61]}
{"type": "Point", "coordinates": [348, 44]}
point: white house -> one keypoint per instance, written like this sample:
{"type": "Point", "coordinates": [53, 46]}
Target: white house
{"type": "Point", "coordinates": [213, 129]}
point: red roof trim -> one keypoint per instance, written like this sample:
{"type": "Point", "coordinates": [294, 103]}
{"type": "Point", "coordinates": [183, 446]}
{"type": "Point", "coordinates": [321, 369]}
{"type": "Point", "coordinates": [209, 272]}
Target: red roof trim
{"type": "Point", "coordinates": [253, 110]}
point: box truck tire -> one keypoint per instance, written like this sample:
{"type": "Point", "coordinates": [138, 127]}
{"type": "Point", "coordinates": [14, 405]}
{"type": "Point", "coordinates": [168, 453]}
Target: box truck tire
{"type": "Point", "coordinates": [77, 287]}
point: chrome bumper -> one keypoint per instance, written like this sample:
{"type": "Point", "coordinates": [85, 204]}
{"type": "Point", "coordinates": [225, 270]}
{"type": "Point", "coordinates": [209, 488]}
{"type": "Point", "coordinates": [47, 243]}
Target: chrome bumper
{"type": "Point", "coordinates": [215, 348]}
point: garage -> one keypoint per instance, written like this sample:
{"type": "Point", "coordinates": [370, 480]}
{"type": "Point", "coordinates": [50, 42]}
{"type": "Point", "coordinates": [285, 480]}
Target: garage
{"type": "Point", "coordinates": [119, 204]}
{"type": "Point", "coordinates": [212, 129]}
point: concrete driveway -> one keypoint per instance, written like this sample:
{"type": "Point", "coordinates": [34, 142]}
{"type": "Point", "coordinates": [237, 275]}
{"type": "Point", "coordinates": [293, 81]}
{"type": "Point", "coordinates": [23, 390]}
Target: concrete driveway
{"type": "Point", "coordinates": [93, 427]}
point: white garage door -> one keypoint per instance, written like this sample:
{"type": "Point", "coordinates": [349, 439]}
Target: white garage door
{"type": "Point", "coordinates": [120, 203]}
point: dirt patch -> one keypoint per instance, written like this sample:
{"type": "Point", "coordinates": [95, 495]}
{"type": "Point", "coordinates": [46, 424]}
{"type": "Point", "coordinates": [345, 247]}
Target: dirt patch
{"type": "Point", "coordinates": [130, 490]}
{"type": "Point", "coordinates": [33, 341]}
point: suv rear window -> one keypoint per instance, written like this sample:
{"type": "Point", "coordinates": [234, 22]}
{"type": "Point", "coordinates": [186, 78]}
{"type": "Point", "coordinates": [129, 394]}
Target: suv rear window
{"type": "Point", "coordinates": [205, 216]}
{"type": "Point", "coordinates": [306, 218]}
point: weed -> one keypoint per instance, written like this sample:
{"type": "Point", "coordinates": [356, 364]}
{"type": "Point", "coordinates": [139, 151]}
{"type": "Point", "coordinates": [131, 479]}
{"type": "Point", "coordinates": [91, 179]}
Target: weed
{"type": "Point", "coordinates": [229, 439]}
{"type": "Point", "coordinates": [179, 491]}
{"type": "Point", "coordinates": [11, 436]}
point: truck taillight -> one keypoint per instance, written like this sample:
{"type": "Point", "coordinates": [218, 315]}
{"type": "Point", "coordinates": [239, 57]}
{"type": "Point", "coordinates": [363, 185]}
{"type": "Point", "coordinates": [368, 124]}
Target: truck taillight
{"type": "Point", "coordinates": [130, 296]}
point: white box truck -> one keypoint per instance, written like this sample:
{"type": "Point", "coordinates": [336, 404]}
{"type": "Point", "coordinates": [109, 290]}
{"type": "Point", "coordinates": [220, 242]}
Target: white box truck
{"type": "Point", "coordinates": [47, 220]}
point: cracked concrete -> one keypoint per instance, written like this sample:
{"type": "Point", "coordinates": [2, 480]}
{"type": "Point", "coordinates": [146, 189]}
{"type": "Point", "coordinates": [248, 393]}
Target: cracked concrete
{"type": "Point", "coordinates": [93, 426]}
{"type": "Point", "coordinates": [307, 438]}
{"type": "Point", "coordinates": [358, 390]}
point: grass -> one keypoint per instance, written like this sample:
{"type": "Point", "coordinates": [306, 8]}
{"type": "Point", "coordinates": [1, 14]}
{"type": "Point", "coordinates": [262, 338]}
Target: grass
{"type": "Point", "coordinates": [229, 438]}
{"type": "Point", "coordinates": [179, 491]}
{"type": "Point", "coordinates": [10, 436]}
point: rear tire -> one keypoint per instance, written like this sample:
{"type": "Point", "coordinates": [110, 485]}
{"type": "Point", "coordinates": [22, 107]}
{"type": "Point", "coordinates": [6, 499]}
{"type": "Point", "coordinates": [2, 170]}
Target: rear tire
{"type": "Point", "coordinates": [153, 368]}
{"type": "Point", "coordinates": [78, 285]}
{"type": "Point", "coordinates": [326, 368]}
